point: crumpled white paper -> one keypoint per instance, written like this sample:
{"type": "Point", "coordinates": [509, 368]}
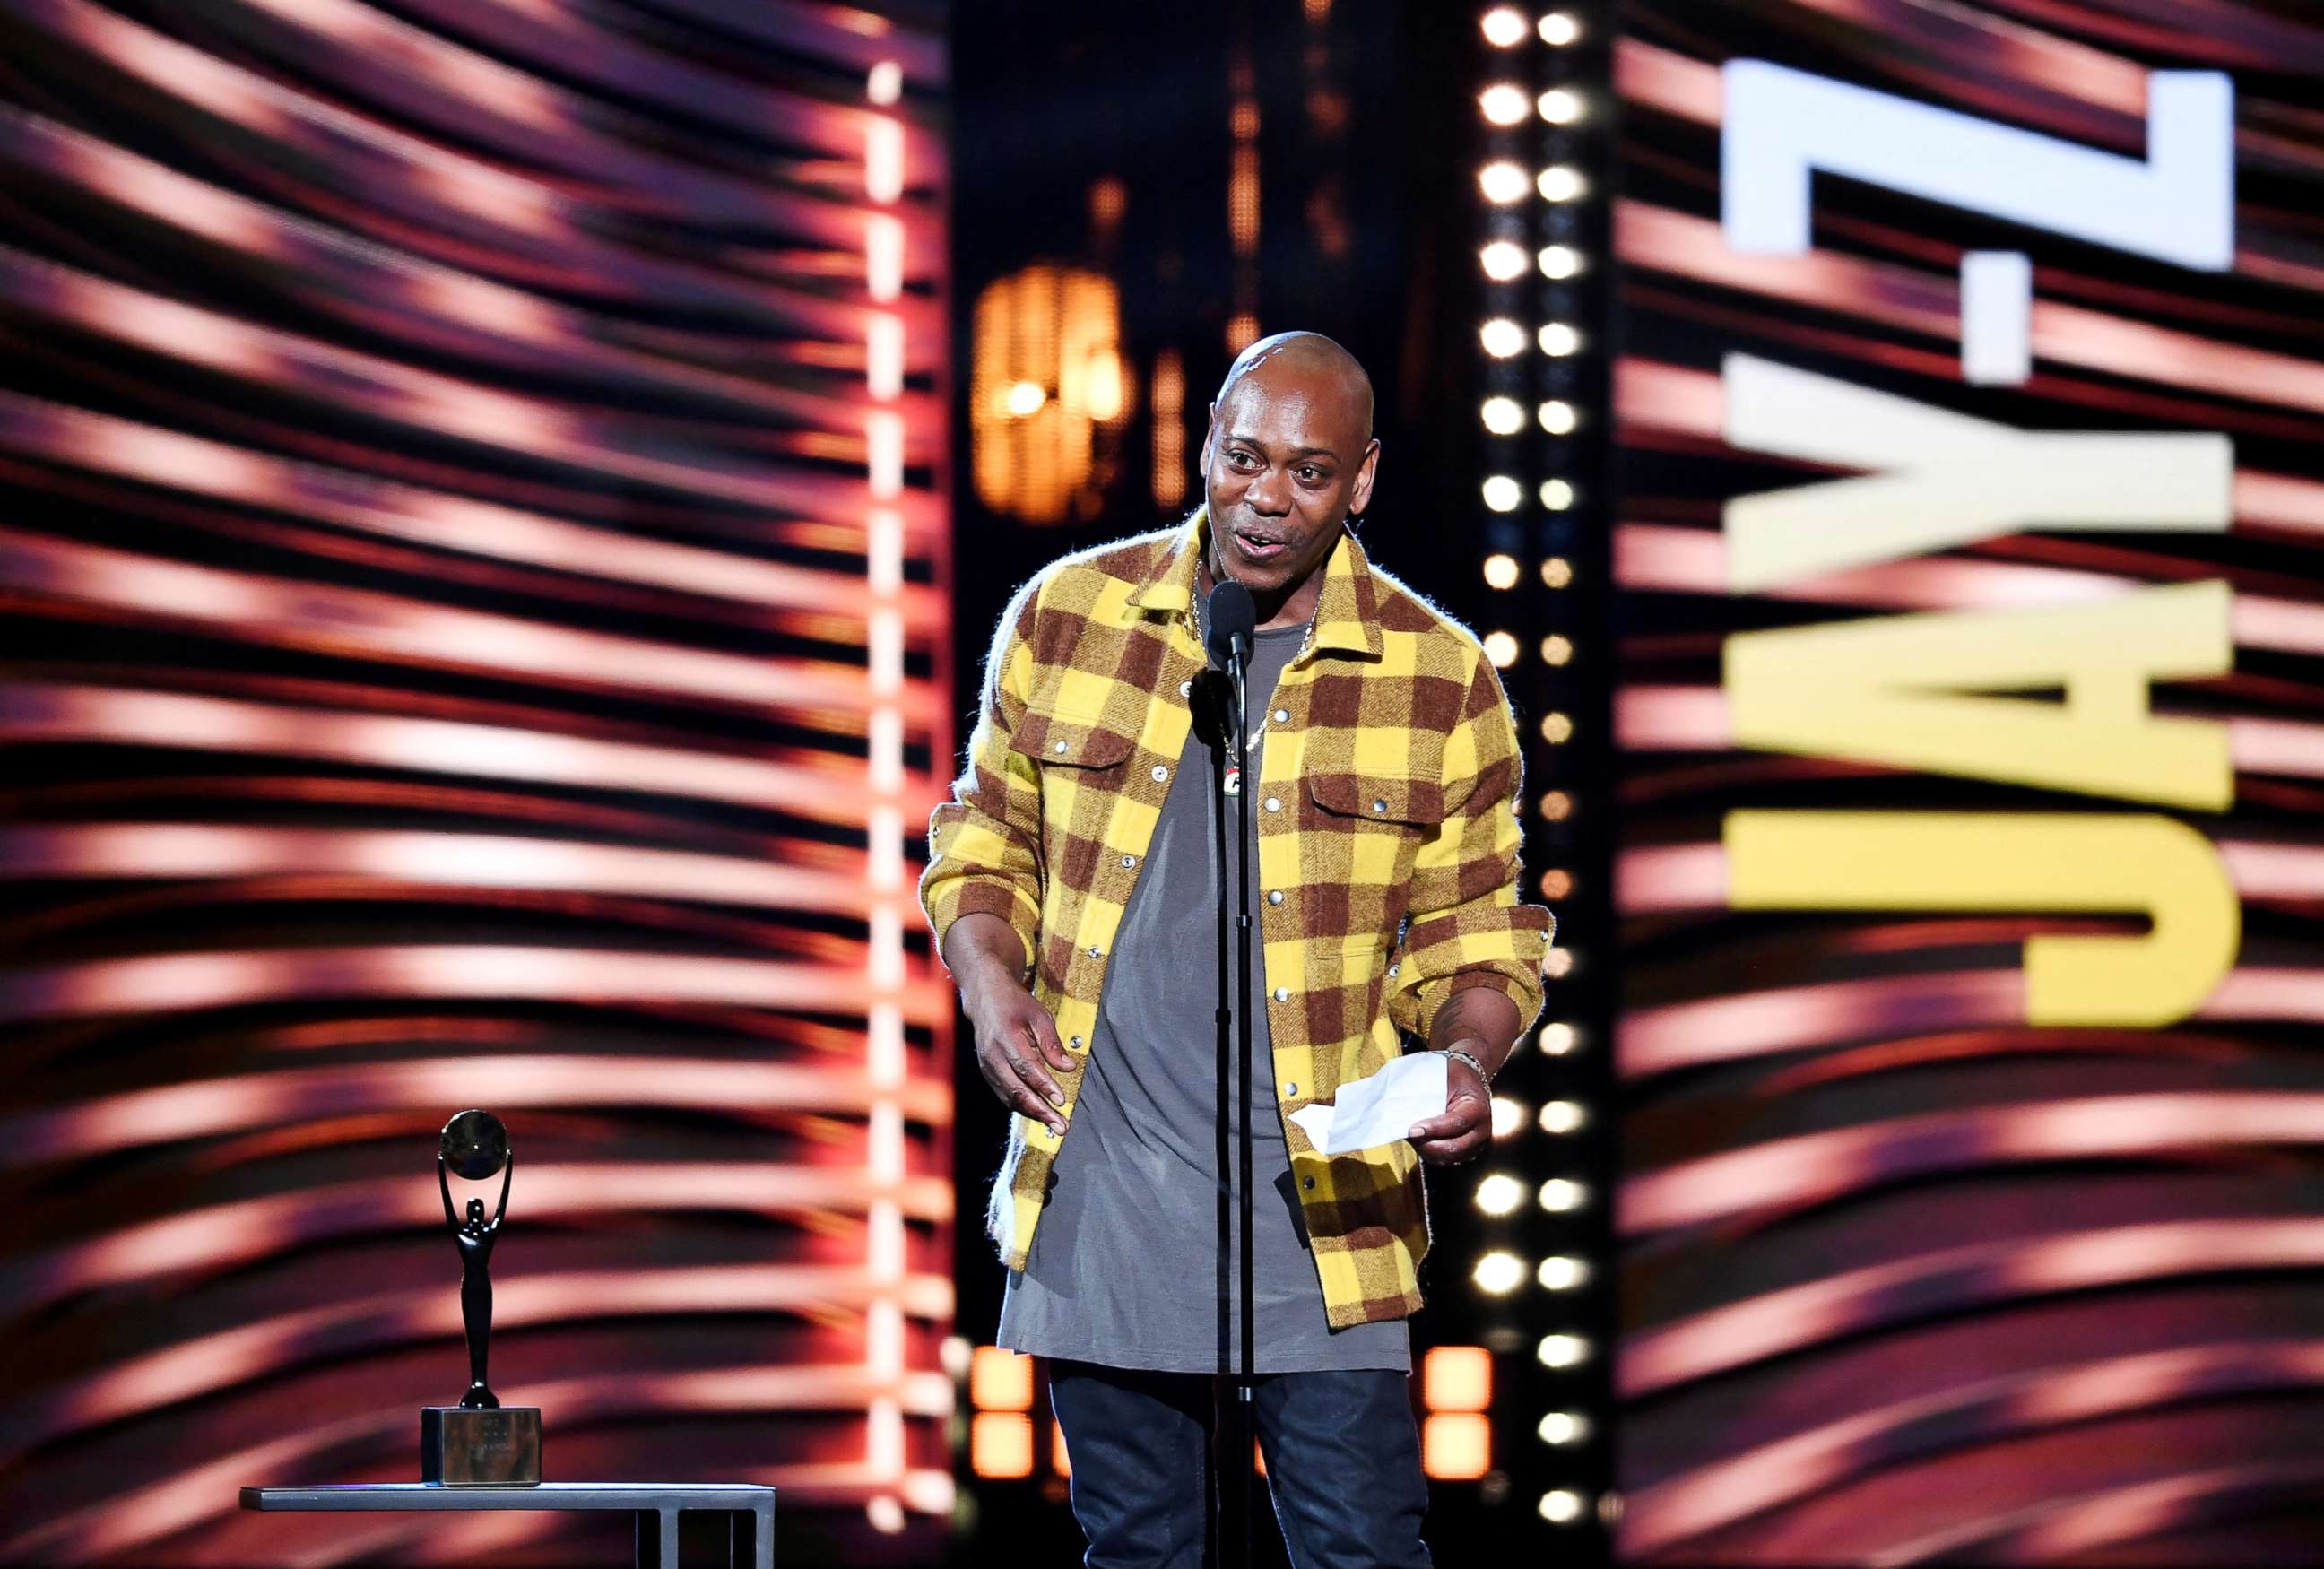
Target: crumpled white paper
{"type": "Point", "coordinates": [1381, 1109]}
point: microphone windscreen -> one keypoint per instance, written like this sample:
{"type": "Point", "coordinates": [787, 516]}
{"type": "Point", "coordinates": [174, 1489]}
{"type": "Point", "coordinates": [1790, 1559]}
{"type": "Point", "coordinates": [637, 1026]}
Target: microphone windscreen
{"type": "Point", "coordinates": [1232, 618]}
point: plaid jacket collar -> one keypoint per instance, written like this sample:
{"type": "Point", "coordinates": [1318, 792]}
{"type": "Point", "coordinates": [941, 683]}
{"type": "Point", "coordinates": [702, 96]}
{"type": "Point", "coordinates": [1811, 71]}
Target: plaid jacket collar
{"type": "Point", "coordinates": [1347, 613]}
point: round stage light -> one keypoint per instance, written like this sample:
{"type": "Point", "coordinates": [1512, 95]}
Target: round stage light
{"type": "Point", "coordinates": [1501, 338]}
{"type": "Point", "coordinates": [1500, 1194]}
{"type": "Point", "coordinates": [1502, 260]}
{"type": "Point", "coordinates": [1503, 103]}
{"type": "Point", "coordinates": [1559, 106]}
{"type": "Point", "coordinates": [1503, 182]}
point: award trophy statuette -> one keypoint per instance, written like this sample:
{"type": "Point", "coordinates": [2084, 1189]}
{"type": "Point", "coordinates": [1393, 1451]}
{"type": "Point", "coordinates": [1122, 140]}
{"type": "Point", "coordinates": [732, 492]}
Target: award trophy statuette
{"type": "Point", "coordinates": [478, 1443]}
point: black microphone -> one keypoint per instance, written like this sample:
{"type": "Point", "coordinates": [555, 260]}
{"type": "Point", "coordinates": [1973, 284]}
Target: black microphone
{"type": "Point", "coordinates": [1233, 618]}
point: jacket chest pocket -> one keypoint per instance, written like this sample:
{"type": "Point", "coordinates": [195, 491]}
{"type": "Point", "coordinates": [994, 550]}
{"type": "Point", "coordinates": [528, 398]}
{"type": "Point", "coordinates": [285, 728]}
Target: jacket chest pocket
{"type": "Point", "coordinates": [1368, 828]}
{"type": "Point", "coordinates": [1080, 745]}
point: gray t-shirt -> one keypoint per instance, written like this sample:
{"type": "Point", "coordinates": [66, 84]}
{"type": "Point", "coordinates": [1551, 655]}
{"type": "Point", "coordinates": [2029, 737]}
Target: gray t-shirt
{"type": "Point", "coordinates": [1125, 1269]}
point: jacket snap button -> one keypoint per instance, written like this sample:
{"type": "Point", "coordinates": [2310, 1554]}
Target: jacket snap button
{"type": "Point", "coordinates": [1160, 773]}
{"type": "Point", "coordinates": [1274, 896]}
{"type": "Point", "coordinates": [1283, 994]}
{"type": "Point", "coordinates": [1289, 1091]}
{"type": "Point", "coordinates": [1273, 804]}
{"type": "Point", "coordinates": [1078, 1040]}
{"type": "Point", "coordinates": [1129, 860]}
{"type": "Point", "coordinates": [1306, 1182]}
{"type": "Point", "coordinates": [1092, 952]}
{"type": "Point", "coordinates": [1283, 716]}
{"type": "Point", "coordinates": [1059, 747]}
{"type": "Point", "coordinates": [1379, 806]}
{"type": "Point", "coordinates": [1184, 688]}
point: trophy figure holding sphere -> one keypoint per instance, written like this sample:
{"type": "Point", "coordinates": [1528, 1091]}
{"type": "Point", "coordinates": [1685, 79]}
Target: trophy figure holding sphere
{"type": "Point", "coordinates": [478, 1443]}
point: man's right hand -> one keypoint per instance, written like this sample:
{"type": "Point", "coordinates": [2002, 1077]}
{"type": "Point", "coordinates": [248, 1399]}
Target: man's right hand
{"type": "Point", "coordinates": [1017, 1043]}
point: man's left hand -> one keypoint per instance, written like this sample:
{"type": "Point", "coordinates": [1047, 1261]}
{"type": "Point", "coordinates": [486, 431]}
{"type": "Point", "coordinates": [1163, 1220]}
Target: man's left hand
{"type": "Point", "coordinates": [1467, 1122]}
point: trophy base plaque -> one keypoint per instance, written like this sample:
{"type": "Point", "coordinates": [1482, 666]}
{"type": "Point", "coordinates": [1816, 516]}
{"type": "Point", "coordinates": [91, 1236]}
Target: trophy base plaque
{"type": "Point", "coordinates": [480, 1446]}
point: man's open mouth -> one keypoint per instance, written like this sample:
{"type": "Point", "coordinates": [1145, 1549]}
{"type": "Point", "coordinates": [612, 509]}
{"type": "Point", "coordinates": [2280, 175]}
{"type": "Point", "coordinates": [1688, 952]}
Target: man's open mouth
{"type": "Point", "coordinates": [1258, 545]}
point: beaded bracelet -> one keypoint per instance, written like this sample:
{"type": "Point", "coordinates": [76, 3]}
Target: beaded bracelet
{"type": "Point", "coordinates": [1472, 1062]}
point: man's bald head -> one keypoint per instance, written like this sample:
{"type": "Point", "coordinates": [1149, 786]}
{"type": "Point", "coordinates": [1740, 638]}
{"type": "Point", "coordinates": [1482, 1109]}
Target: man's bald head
{"type": "Point", "coordinates": [1289, 458]}
{"type": "Point", "coordinates": [1329, 374]}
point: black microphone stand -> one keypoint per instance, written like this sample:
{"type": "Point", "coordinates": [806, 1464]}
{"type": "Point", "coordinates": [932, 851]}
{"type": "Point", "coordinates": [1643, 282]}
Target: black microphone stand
{"type": "Point", "coordinates": [1237, 1428]}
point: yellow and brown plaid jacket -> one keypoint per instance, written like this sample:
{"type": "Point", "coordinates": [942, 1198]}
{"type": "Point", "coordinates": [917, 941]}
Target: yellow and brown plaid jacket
{"type": "Point", "coordinates": [1387, 824]}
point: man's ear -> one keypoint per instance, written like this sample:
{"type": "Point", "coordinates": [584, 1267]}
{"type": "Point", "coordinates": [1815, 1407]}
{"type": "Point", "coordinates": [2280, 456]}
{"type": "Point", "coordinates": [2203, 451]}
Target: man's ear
{"type": "Point", "coordinates": [1360, 498]}
{"type": "Point", "coordinates": [1202, 464]}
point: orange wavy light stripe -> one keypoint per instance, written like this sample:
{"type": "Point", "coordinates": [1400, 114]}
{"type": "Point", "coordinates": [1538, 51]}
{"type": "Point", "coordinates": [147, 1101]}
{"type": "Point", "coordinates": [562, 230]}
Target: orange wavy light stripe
{"type": "Point", "coordinates": [815, 785]}
{"type": "Point", "coordinates": [1848, 1301]}
{"type": "Point", "coordinates": [449, 860]}
{"type": "Point", "coordinates": [201, 1108]}
{"type": "Point", "coordinates": [1813, 1168]}
{"type": "Point", "coordinates": [183, 1499]}
{"type": "Point", "coordinates": [1693, 1503]}
{"type": "Point", "coordinates": [200, 467]}
{"type": "Point", "coordinates": [173, 982]}
{"type": "Point", "coordinates": [207, 1364]}
{"type": "Point", "coordinates": [226, 1234]}
{"type": "Point", "coordinates": [361, 623]}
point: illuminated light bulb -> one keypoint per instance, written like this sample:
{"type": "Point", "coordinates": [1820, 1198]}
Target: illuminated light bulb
{"type": "Point", "coordinates": [1561, 1116]}
{"type": "Point", "coordinates": [1559, 1039]}
{"type": "Point", "coordinates": [1503, 260]}
{"type": "Point", "coordinates": [886, 1515]}
{"type": "Point", "coordinates": [1559, 182]}
{"type": "Point", "coordinates": [1556, 883]}
{"type": "Point", "coordinates": [1559, 338]}
{"type": "Point", "coordinates": [1502, 494]}
{"type": "Point", "coordinates": [1562, 1351]}
{"type": "Point", "coordinates": [1559, 1273]}
{"type": "Point", "coordinates": [1556, 494]}
{"type": "Point", "coordinates": [1500, 1194]}
{"type": "Point", "coordinates": [1560, 1194]}
{"type": "Point", "coordinates": [1500, 571]}
{"type": "Point", "coordinates": [1024, 399]}
{"type": "Point", "coordinates": [1556, 806]}
{"type": "Point", "coordinates": [1503, 416]}
{"type": "Point", "coordinates": [1504, 26]}
{"type": "Point", "coordinates": [1502, 183]}
{"type": "Point", "coordinates": [1557, 729]}
{"type": "Point", "coordinates": [1502, 338]}
{"type": "Point", "coordinates": [1557, 963]}
{"type": "Point", "coordinates": [1501, 649]}
{"type": "Point", "coordinates": [1563, 1427]}
{"type": "Point", "coordinates": [1559, 106]}
{"type": "Point", "coordinates": [1557, 571]}
{"type": "Point", "coordinates": [1559, 29]}
{"type": "Point", "coordinates": [1557, 417]}
{"type": "Point", "coordinates": [1561, 1507]}
{"type": "Point", "coordinates": [1503, 103]}
{"type": "Point", "coordinates": [1559, 261]}
{"type": "Point", "coordinates": [1499, 1273]}
{"type": "Point", "coordinates": [1508, 1116]}
{"type": "Point", "coordinates": [1556, 649]}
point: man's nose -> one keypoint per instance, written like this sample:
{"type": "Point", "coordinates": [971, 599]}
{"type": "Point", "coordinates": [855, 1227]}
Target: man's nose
{"type": "Point", "coordinates": [1270, 493]}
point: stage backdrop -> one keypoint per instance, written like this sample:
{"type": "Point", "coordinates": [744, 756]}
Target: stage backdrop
{"type": "Point", "coordinates": [474, 574]}
{"type": "Point", "coordinates": [1972, 412]}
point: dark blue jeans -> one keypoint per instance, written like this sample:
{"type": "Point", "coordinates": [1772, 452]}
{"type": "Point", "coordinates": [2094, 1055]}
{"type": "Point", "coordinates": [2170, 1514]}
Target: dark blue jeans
{"type": "Point", "coordinates": [1343, 1465]}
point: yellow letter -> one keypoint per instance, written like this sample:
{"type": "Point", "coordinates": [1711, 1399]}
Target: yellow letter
{"type": "Point", "coordinates": [1946, 479]}
{"type": "Point", "coordinates": [1896, 690]}
{"type": "Point", "coordinates": [1980, 861]}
